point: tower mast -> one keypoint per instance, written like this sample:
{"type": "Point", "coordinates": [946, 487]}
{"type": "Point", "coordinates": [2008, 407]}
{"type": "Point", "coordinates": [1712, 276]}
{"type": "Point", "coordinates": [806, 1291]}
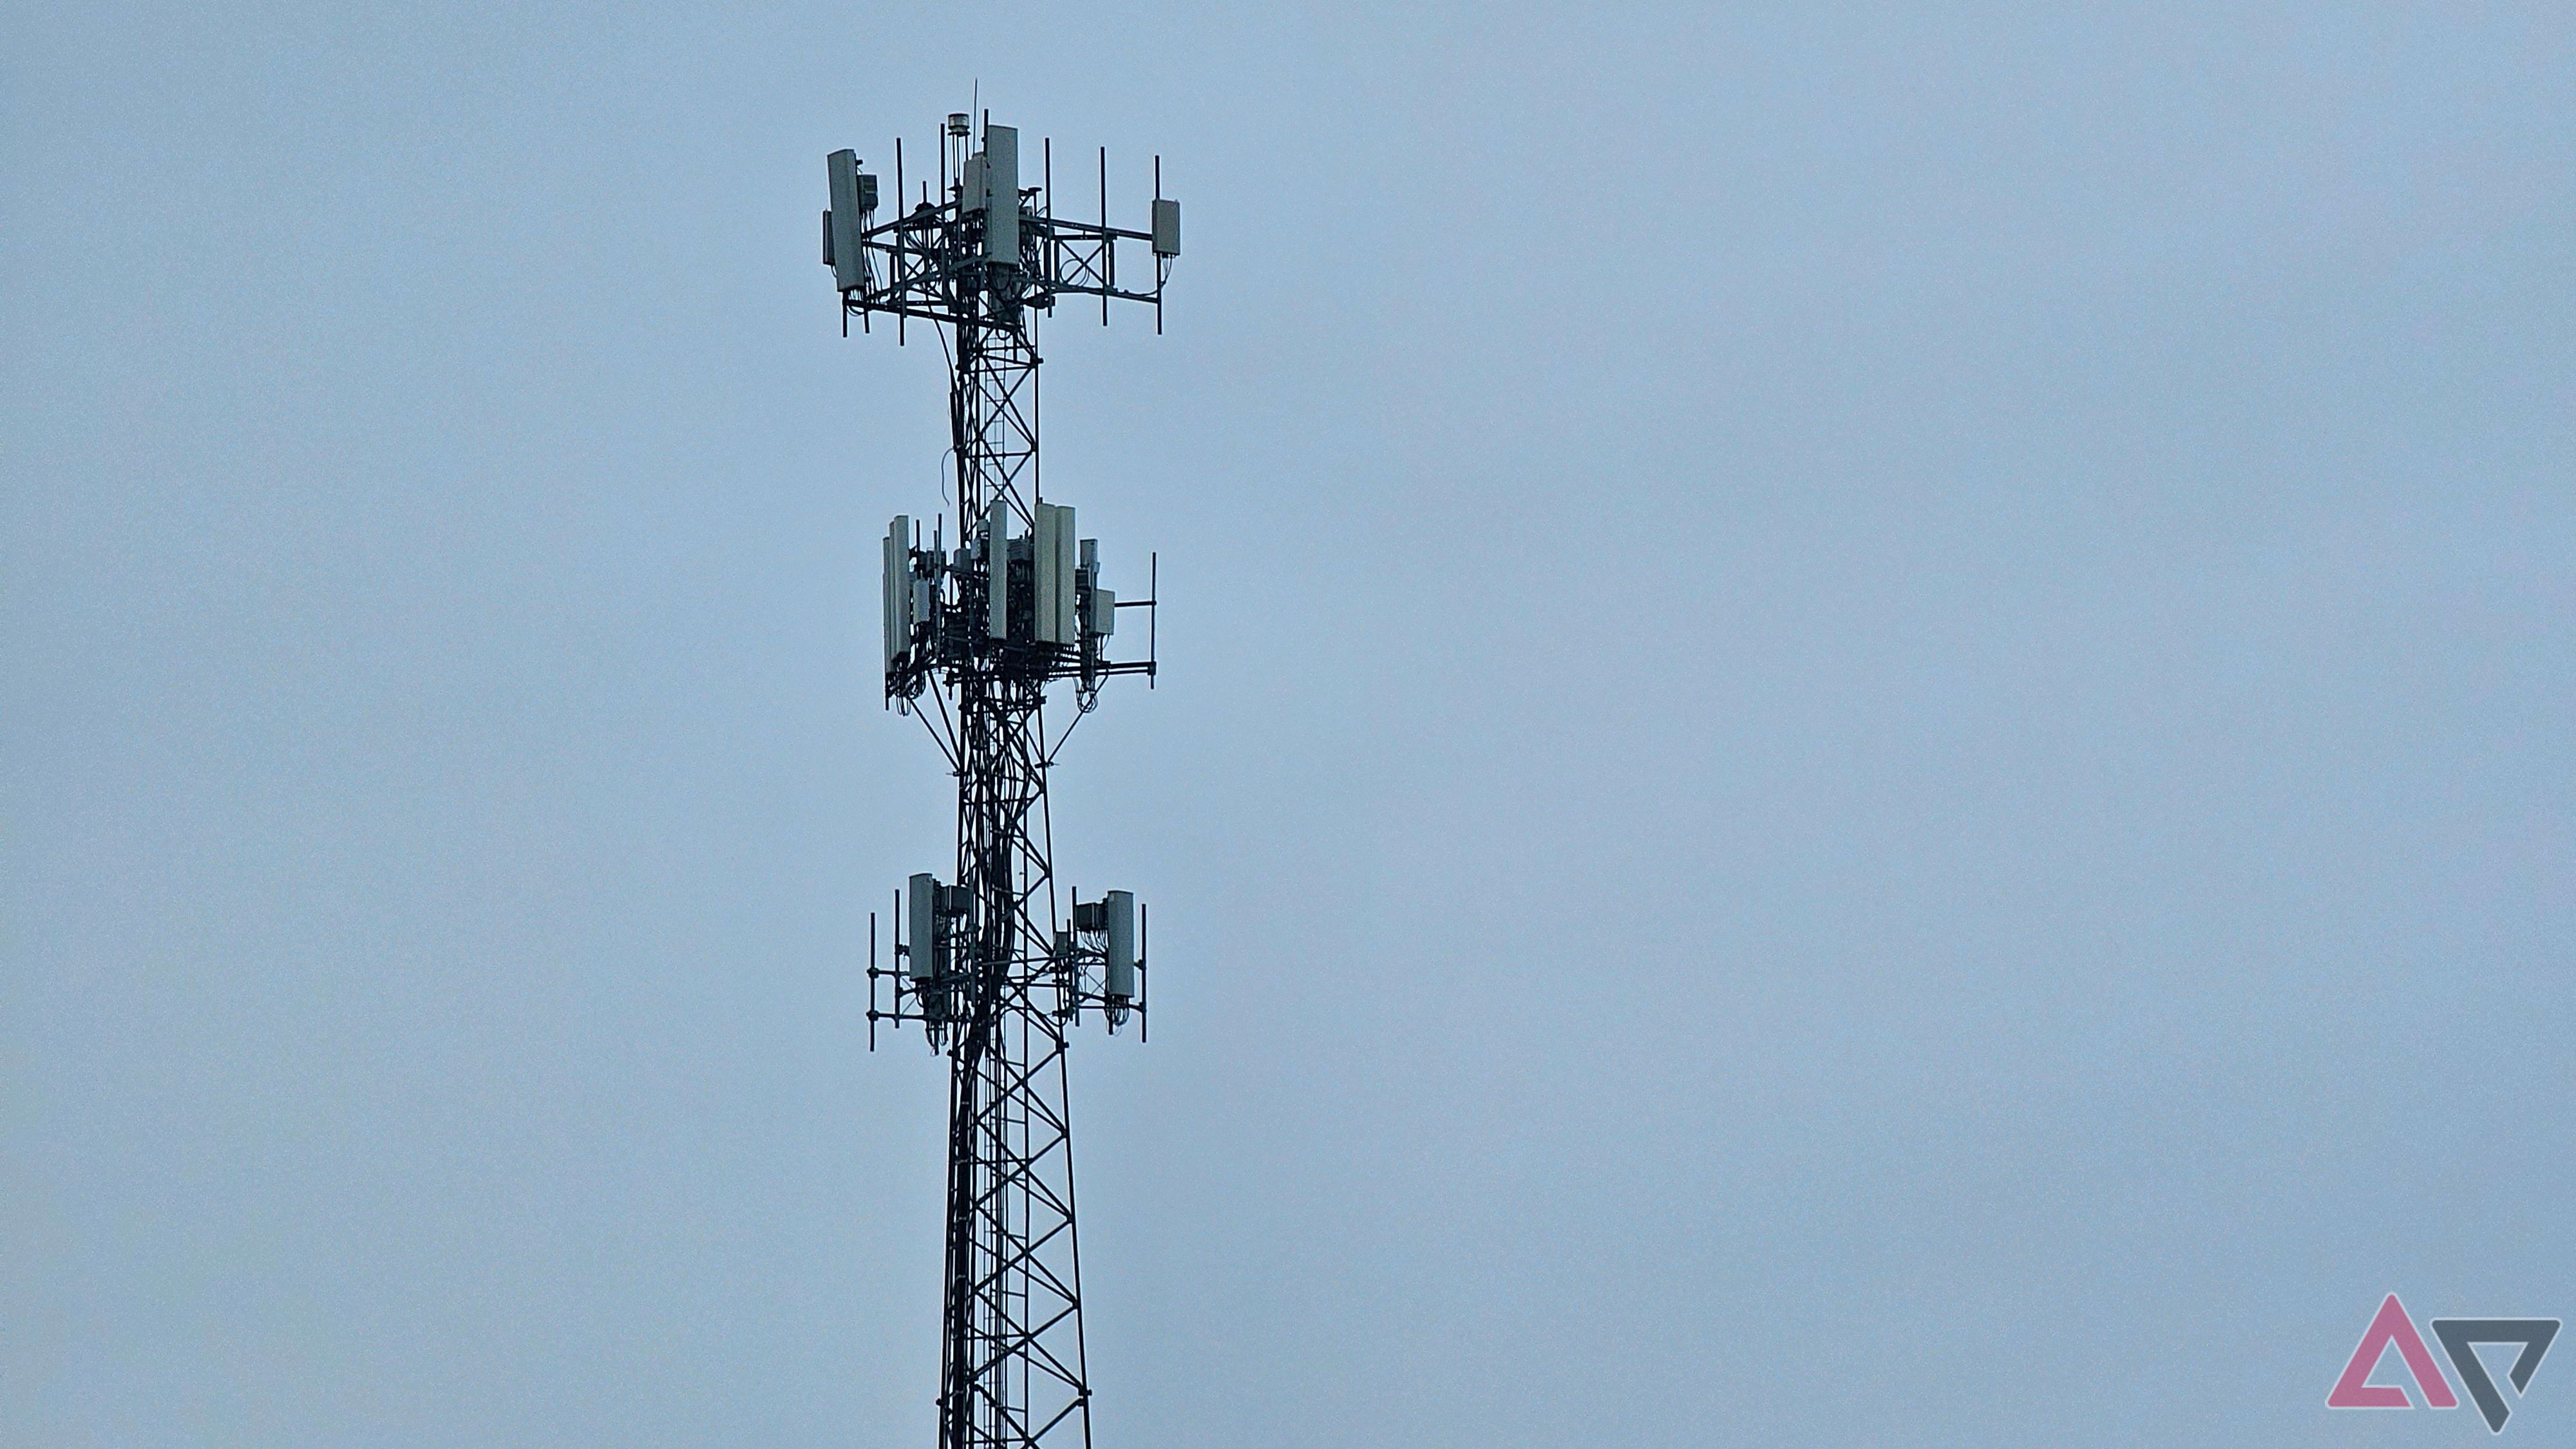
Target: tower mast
{"type": "Point", "coordinates": [994, 966]}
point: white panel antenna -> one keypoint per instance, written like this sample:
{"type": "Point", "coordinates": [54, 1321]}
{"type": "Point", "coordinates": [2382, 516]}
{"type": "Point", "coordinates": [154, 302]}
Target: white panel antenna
{"type": "Point", "coordinates": [1120, 980]}
{"type": "Point", "coordinates": [1052, 552]}
{"type": "Point", "coordinates": [896, 599]}
{"type": "Point", "coordinates": [997, 568]}
{"type": "Point", "coordinates": [1068, 628]}
{"type": "Point", "coordinates": [924, 911]}
{"type": "Point", "coordinates": [853, 197]}
{"type": "Point", "coordinates": [1001, 177]}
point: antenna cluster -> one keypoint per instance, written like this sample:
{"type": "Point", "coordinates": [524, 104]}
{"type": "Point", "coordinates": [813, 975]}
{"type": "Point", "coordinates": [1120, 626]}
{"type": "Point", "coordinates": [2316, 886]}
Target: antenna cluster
{"type": "Point", "coordinates": [976, 220]}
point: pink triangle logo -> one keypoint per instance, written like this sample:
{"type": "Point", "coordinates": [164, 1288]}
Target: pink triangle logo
{"type": "Point", "coordinates": [2391, 1325]}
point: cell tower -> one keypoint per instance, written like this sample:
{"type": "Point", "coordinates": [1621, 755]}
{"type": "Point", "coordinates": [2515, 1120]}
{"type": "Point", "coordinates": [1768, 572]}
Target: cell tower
{"type": "Point", "coordinates": [993, 965]}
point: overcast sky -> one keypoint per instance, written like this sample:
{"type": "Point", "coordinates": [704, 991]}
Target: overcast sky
{"type": "Point", "coordinates": [1865, 734]}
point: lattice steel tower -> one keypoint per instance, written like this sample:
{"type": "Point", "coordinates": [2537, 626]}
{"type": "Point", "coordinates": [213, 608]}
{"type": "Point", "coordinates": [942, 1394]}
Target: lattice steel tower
{"type": "Point", "coordinates": [990, 964]}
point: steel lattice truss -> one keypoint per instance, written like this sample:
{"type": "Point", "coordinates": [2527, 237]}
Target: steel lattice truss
{"type": "Point", "coordinates": [974, 639]}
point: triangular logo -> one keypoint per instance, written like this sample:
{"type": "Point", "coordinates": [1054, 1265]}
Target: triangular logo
{"type": "Point", "coordinates": [2391, 1325]}
{"type": "Point", "coordinates": [2460, 1336]}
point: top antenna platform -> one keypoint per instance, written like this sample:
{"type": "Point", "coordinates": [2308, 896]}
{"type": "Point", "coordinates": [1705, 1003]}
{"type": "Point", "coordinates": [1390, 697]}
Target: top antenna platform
{"type": "Point", "coordinates": [981, 249]}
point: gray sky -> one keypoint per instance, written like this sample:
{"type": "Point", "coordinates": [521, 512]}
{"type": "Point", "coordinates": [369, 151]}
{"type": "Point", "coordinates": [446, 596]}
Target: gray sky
{"type": "Point", "coordinates": [1865, 735]}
